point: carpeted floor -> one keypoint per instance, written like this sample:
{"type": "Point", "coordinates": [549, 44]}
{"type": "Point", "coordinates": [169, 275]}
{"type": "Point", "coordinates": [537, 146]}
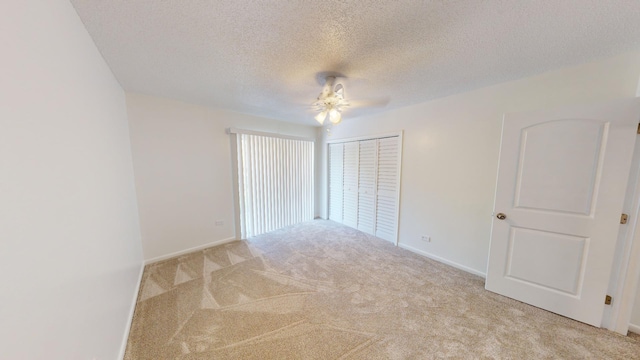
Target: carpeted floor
{"type": "Point", "coordinates": [320, 290]}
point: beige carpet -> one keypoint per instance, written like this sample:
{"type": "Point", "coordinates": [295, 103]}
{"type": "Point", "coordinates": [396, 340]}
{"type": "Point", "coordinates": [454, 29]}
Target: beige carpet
{"type": "Point", "coordinates": [320, 290]}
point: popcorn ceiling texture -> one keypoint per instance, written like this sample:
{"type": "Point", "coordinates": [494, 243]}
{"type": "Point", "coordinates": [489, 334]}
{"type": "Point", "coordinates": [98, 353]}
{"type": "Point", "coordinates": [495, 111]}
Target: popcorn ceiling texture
{"type": "Point", "coordinates": [263, 57]}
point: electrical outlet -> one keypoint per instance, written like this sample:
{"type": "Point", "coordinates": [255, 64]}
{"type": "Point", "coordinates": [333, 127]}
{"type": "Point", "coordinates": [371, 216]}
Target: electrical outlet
{"type": "Point", "coordinates": [426, 238]}
{"type": "Point", "coordinates": [219, 222]}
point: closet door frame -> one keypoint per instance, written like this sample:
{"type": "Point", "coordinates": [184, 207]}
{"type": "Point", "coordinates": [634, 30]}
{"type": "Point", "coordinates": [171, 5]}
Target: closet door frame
{"type": "Point", "coordinates": [399, 134]}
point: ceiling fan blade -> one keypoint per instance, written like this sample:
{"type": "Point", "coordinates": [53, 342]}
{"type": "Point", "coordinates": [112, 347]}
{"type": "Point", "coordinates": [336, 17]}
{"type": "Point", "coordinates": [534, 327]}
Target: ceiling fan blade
{"type": "Point", "coordinates": [377, 102]}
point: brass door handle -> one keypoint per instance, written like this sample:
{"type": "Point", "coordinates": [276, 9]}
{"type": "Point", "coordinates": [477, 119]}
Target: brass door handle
{"type": "Point", "coordinates": [501, 216]}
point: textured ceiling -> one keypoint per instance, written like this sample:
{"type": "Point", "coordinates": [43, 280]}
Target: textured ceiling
{"type": "Point", "coordinates": [264, 57]}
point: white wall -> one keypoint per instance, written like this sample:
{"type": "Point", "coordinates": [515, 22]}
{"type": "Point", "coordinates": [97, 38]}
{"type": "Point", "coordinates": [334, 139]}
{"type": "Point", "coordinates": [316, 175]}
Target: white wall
{"type": "Point", "coordinates": [182, 162]}
{"type": "Point", "coordinates": [451, 147]}
{"type": "Point", "coordinates": [70, 249]}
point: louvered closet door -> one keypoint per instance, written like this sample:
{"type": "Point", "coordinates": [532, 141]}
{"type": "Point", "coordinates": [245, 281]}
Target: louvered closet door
{"type": "Point", "coordinates": [387, 189]}
{"type": "Point", "coordinates": [336, 174]}
{"type": "Point", "coordinates": [367, 186]}
{"type": "Point", "coordinates": [350, 207]}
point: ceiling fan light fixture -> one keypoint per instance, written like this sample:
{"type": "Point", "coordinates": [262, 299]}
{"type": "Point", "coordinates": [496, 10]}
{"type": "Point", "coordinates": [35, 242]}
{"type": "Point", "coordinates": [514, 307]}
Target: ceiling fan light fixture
{"type": "Point", "coordinates": [321, 117]}
{"type": "Point", "coordinates": [335, 117]}
{"type": "Point", "coordinates": [331, 102]}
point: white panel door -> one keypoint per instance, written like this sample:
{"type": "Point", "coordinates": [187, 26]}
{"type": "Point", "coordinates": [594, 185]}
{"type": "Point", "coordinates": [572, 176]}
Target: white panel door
{"type": "Point", "coordinates": [367, 171]}
{"type": "Point", "coordinates": [350, 208]}
{"type": "Point", "coordinates": [336, 174]}
{"type": "Point", "coordinates": [387, 189]}
{"type": "Point", "coordinates": [561, 184]}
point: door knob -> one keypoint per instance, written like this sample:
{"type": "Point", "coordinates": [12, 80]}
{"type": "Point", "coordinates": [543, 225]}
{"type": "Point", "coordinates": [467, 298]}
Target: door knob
{"type": "Point", "coordinates": [501, 216]}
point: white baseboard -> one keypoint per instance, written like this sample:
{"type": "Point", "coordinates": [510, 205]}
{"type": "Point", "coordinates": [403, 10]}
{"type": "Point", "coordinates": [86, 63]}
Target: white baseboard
{"type": "Point", "coordinates": [634, 328]}
{"type": "Point", "coordinates": [443, 260]}
{"type": "Point", "coordinates": [190, 250]}
{"type": "Point", "coordinates": [123, 347]}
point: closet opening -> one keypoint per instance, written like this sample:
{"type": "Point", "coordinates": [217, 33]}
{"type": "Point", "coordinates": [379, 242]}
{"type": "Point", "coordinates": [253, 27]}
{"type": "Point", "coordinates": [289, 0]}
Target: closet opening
{"type": "Point", "coordinates": [364, 184]}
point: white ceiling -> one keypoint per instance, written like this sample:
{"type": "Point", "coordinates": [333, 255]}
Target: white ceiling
{"type": "Point", "coordinates": [264, 57]}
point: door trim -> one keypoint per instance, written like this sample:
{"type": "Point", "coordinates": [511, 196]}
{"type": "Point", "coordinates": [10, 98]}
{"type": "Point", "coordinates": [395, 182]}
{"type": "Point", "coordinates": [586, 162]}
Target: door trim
{"type": "Point", "coordinates": [629, 276]}
{"type": "Point", "coordinates": [367, 137]}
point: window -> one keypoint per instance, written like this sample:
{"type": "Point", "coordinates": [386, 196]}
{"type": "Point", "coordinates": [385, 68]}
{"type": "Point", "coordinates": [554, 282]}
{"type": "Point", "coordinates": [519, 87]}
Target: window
{"type": "Point", "coordinates": [275, 182]}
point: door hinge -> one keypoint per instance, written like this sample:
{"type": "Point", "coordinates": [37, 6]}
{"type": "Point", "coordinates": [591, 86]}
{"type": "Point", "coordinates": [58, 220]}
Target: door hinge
{"type": "Point", "coordinates": [624, 218]}
{"type": "Point", "coordinates": [638, 128]}
{"type": "Point", "coordinates": [607, 300]}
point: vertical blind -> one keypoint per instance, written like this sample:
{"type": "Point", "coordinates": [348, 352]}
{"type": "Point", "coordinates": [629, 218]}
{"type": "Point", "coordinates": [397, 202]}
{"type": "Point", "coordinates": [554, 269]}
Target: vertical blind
{"type": "Point", "coordinates": [275, 183]}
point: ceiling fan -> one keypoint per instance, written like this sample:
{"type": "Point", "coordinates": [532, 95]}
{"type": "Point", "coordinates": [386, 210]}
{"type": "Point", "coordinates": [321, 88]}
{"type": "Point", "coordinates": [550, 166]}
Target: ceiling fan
{"type": "Point", "coordinates": [330, 102]}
